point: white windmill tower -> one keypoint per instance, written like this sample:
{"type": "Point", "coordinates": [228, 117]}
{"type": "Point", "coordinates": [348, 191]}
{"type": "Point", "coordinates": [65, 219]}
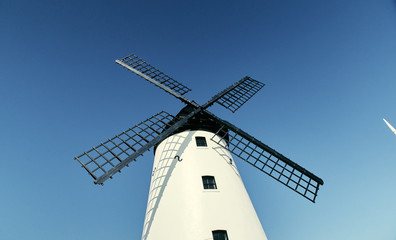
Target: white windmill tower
{"type": "Point", "coordinates": [196, 191]}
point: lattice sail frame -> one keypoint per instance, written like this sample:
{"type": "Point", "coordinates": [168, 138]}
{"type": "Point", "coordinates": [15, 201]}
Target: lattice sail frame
{"type": "Point", "coordinates": [239, 95]}
{"type": "Point", "coordinates": [106, 156]}
{"type": "Point", "coordinates": [270, 162]}
{"type": "Point", "coordinates": [145, 68]}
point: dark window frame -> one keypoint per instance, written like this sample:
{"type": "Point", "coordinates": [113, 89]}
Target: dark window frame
{"type": "Point", "coordinates": [220, 235]}
{"type": "Point", "coordinates": [201, 141]}
{"type": "Point", "coordinates": [209, 182]}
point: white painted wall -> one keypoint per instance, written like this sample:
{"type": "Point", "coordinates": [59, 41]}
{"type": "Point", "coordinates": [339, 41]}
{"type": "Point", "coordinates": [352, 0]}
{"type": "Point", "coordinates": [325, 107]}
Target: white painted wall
{"type": "Point", "coordinates": [179, 208]}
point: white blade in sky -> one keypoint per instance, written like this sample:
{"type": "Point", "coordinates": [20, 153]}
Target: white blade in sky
{"type": "Point", "coordinates": [390, 126]}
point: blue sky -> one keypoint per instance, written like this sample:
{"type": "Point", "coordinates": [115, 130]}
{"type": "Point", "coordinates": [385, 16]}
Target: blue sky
{"type": "Point", "coordinates": [329, 69]}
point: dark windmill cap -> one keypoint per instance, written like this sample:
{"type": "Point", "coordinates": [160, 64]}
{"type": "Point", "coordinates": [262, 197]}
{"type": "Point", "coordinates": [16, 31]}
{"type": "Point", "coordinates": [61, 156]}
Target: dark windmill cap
{"type": "Point", "coordinates": [201, 121]}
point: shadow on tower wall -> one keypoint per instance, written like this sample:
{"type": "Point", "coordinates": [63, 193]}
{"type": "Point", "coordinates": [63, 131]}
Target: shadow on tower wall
{"type": "Point", "coordinates": [226, 156]}
{"type": "Point", "coordinates": [174, 146]}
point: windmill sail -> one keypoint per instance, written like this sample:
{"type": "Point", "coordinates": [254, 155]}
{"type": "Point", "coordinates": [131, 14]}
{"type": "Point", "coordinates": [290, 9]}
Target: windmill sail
{"type": "Point", "coordinates": [156, 77]}
{"type": "Point", "coordinates": [390, 126]}
{"type": "Point", "coordinates": [236, 95]}
{"type": "Point", "coordinates": [268, 160]}
{"type": "Point", "coordinates": [240, 94]}
{"type": "Point", "coordinates": [104, 159]}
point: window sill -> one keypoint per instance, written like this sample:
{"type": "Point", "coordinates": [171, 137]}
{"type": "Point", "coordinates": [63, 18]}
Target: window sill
{"type": "Point", "coordinates": [211, 190]}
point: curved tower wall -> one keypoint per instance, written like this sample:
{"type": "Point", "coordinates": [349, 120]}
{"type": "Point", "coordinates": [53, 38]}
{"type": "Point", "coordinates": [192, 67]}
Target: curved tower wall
{"type": "Point", "coordinates": [179, 208]}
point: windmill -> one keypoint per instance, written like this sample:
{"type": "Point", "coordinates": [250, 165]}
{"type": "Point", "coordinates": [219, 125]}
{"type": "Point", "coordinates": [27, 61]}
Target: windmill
{"type": "Point", "coordinates": [196, 191]}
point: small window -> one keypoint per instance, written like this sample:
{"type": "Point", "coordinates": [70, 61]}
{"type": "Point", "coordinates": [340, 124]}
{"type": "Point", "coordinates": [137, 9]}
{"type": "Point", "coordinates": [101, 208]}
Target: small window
{"type": "Point", "coordinates": [220, 235]}
{"type": "Point", "coordinates": [209, 182]}
{"type": "Point", "coordinates": [201, 141]}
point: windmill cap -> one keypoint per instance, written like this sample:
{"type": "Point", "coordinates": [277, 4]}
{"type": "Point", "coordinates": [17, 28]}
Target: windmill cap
{"type": "Point", "coordinates": [201, 121]}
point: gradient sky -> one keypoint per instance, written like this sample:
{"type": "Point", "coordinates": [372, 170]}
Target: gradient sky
{"type": "Point", "coordinates": [330, 75]}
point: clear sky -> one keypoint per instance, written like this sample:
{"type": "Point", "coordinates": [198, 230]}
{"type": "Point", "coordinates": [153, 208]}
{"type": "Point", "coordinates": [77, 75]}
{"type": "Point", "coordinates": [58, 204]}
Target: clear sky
{"type": "Point", "coordinates": [330, 75]}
